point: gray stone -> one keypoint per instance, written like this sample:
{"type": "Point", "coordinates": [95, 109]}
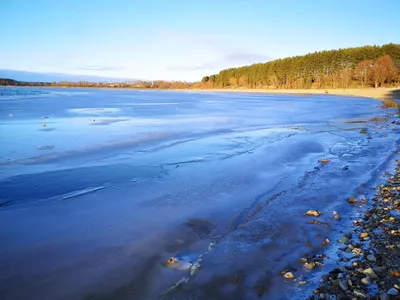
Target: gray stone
{"type": "Point", "coordinates": [360, 293]}
{"type": "Point", "coordinates": [370, 272]}
{"type": "Point", "coordinates": [343, 285]}
{"type": "Point", "coordinates": [384, 297]}
{"type": "Point", "coordinates": [343, 240]}
{"type": "Point", "coordinates": [393, 292]}
{"type": "Point", "coordinates": [380, 270]}
{"type": "Point", "coordinates": [366, 280]}
{"type": "Point", "coordinates": [371, 257]}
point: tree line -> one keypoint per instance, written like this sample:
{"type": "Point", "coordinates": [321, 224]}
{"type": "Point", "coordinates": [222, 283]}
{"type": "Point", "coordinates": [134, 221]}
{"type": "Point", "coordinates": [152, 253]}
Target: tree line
{"type": "Point", "coordinates": [368, 66]}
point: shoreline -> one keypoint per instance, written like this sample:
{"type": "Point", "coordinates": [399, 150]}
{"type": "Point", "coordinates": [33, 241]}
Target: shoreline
{"type": "Point", "coordinates": [374, 93]}
{"type": "Point", "coordinates": [370, 252]}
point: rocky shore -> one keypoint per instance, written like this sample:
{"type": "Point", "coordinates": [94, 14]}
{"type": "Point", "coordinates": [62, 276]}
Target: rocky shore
{"type": "Point", "coordinates": [370, 253]}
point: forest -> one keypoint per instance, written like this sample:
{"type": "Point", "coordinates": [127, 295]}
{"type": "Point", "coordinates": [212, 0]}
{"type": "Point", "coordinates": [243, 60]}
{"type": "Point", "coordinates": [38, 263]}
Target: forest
{"type": "Point", "coordinates": [367, 66]}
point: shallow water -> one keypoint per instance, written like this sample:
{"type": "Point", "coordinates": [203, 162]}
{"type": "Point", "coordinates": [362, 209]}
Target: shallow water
{"type": "Point", "coordinates": [98, 188]}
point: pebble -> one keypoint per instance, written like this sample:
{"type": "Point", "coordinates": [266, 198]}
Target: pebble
{"type": "Point", "coordinates": [343, 285]}
{"type": "Point", "coordinates": [371, 257]}
{"type": "Point", "coordinates": [384, 297]}
{"type": "Point", "coordinates": [288, 275]}
{"type": "Point", "coordinates": [309, 266]}
{"type": "Point", "coordinates": [343, 240]}
{"type": "Point", "coordinates": [379, 270]}
{"type": "Point", "coordinates": [393, 292]}
{"type": "Point", "coordinates": [366, 280]}
{"type": "Point", "coordinates": [360, 294]}
{"type": "Point", "coordinates": [363, 235]}
{"type": "Point", "coordinates": [370, 272]}
{"type": "Point", "coordinates": [314, 213]}
{"type": "Point", "coordinates": [352, 200]}
{"type": "Point", "coordinates": [337, 217]}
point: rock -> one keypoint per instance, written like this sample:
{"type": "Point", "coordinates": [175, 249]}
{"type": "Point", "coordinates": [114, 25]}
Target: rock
{"type": "Point", "coordinates": [370, 272]}
{"type": "Point", "coordinates": [371, 257]}
{"type": "Point", "coordinates": [379, 270]}
{"type": "Point", "coordinates": [313, 213]}
{"type": "Point", "coordinates": [352, 200]}
{"type": "Point", "coordinates": [356, 251]}
{"type": "Point", "coordinates": [337, 217]}
{"type": "Point", "coordinates": [302, 282]}
{"type": "Point", "coordinates": [366, 280]}
{"type": "Point", "coordinates": [324, 160]}
{"type": "Point", "coordinates": [397, 287]}
{"type": "Point", "coordinates": [393, 292]}
{"type": "Point", "coordinates": [327, 241]}
{"type": "Point", "coordinates": [343, 285]}
{"type": "Point", "coordinates": [384, 297]}
{"type": "Point", "coordinates": [179, 263]}
{"type": "Point", "coordinates": [345, 168]}
{"type": "Point", "coordinates": [343, 240]}
{"type": "Point", "coordinates": [310, 265]}
{"type": "Point", "coordinates": [360, 293]}
{"type": "Point", "coordinates": [363, 235]}
{"type": "Point", "coordinates": [348, 235]}
{"type": "Point", "coordinates": [288, 275]}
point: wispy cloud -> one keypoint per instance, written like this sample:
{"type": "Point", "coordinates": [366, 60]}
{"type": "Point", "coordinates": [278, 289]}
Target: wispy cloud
{"type": "Point", "coordinates": [100, 68]}
{"type": "Point", "coordinates": [227, 60]}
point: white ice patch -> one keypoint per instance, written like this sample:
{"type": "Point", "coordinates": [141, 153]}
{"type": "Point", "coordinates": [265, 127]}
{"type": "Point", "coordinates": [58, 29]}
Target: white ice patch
{"type": "Point", "coordinates": [94, 110]}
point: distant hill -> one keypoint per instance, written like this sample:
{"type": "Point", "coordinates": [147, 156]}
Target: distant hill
{"type": "Point", "coordinates": [351, 67]}
{"type": "Point", "coordinates": [56, 77]}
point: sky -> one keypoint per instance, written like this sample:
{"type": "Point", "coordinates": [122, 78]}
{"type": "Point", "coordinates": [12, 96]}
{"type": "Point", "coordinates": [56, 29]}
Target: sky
{"type": "Point", "coordinates": [181, 39]}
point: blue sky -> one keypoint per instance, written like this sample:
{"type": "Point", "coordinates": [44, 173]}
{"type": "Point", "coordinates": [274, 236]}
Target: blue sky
{"type": "Point", "coordinates": [181, 40]}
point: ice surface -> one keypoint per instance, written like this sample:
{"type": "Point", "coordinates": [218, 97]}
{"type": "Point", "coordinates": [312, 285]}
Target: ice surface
{"type": "Point", "coordinates": [247, 163]}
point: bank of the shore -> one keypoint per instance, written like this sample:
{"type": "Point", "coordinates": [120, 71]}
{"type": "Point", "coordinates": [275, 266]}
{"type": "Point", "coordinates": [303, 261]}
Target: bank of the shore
{"type": "Point", "coordinates": [375, 93]}
{"type": "Point", "coordinates": [370, 253]}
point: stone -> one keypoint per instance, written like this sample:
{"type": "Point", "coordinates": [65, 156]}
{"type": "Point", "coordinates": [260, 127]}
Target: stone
{"type": "Point", "coordinates": [370, 272]}
{"type": "Point", "coordinates": [356, 251]}
{"type": "Point", "coordinates": [348, 235]}
{"type": "Point", "coordinates": [393, 292]}
{"type": "Point", "coordinates": [343, 285]}
{"type": "Point", "coordinates": [343, 240]}
{"type": "Point", "coordinates": [384, 297]}
{"type": "Point", "coordinates": [360, 294]}
{"type": "Point", "coordinates": [313, 213]}
{"type": "Point", "coordinates": [371, 257]}
{"type": "Point", "coordinates": [379, 270]}
{"type": "Point", "coordinates": [310, 265]}
{"type": "Point", "coordinates": [363, 235]}
{"type": "Point", "coordinates": [352, 200]}
{"type": "Point", "coordinates": [366, 280]}
{"type": "Point", "coordinates": [337, 217]}
{"type": "Point", "coordinates": [288, 275]}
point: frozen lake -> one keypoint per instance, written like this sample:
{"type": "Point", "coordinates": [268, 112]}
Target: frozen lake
{"type": "Point", "coordinates": [98, 188]}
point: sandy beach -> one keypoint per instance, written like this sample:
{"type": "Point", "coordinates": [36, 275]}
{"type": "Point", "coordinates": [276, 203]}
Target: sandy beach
{"type": "Point", "coordinates": [375, 93]}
